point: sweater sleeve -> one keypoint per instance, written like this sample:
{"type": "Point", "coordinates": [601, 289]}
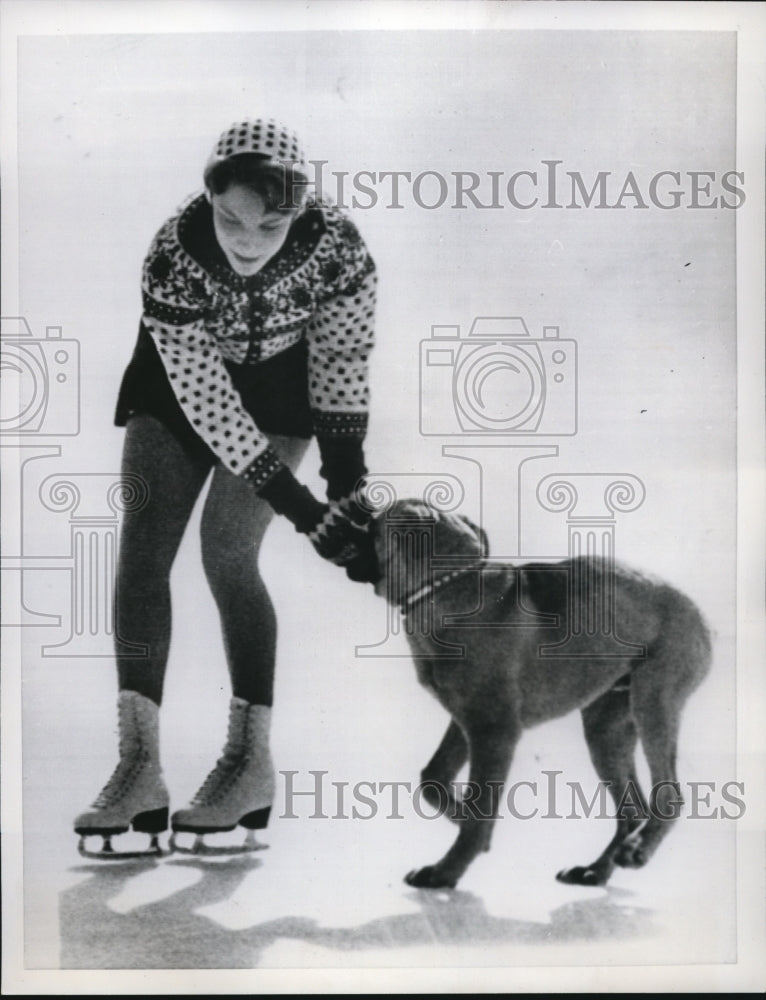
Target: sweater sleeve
{"type": "Point", "coordinates": [173, 313]}
{"type": "Point", "coordinates": [340, 339]}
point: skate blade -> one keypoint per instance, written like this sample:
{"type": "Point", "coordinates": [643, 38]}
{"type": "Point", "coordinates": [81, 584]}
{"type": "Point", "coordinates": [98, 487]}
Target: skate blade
{"type": "Point", "coordinates": [108, 853]}
{"type": "Point", "coordinates": [199, 848]}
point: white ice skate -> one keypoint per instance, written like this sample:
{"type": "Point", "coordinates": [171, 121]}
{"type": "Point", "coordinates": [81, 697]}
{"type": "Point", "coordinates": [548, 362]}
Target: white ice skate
{"type": "Point", "coordinates": [238, 791]}
{"type": "Point", "coordinates": [135, 795]}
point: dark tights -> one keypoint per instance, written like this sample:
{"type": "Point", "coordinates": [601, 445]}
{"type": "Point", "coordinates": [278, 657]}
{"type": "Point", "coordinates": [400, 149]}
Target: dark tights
{"type": "Point", "coordinates": [234, 520]}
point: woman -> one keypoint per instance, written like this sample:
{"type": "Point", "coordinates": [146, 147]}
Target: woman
{"type": "Point", "coordinates": [258, 314]}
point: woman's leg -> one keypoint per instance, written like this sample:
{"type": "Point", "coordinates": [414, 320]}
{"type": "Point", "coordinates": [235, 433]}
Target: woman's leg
{"type": "Point", "coordinates": [136, 794]}
{"type": "Point", "coordinates": [149, 542]}
{"type": "Point", "coordinates": [233, 524]}
{"type": "Point", "coordinates": [241, 787]}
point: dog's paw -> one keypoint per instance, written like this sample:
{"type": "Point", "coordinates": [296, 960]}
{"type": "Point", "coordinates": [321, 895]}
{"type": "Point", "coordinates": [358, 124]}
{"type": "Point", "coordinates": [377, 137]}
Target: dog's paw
{"type": "Point", "coordinates": [581, 875]}
{"type": "Point", "coordinates": [429, 877]}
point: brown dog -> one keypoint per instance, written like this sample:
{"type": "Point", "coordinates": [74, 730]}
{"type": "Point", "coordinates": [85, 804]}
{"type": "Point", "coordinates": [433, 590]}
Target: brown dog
{"type": "Point", "coordinates": [506, 647]}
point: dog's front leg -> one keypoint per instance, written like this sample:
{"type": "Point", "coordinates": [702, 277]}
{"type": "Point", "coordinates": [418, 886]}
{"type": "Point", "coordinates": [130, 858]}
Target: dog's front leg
{"type": "Point", "coordinates": [441, 770]}
{"type": "Point", "coordinates": [491, 747]}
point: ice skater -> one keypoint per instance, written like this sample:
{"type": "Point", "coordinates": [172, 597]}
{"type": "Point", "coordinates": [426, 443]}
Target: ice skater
{"type": "Point", "coordinates": [257, 326]}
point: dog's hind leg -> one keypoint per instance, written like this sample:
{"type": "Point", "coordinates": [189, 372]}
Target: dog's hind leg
{"type": "Point", "coordinates": [660, 686]}
{"type": "Point", "coordinates": [441, 770]}
{"type": "Point", "coordinates": [658, 718]}
{"type": "Point", "coordinates": [491, 745]}
{"type": "Point", "coordinates": [611, 735]}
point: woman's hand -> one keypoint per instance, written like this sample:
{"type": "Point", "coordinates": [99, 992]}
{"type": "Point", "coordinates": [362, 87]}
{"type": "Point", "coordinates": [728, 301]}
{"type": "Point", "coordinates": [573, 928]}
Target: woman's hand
{"type": "Point", "coordinates": [345, 542]}
{"type": "Point", "coordinates": [338, 530]}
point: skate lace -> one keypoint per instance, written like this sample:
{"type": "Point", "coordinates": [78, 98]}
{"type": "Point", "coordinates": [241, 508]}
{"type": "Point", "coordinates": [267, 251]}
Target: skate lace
{"type": "Point", "coordinates": [223, 775]}
{"type": "Point", "coordinates": [133, 758]}
{"type": "Point", "coordinates": [226, 768]}
{"type": "Point", "coordinates": [118, 784]}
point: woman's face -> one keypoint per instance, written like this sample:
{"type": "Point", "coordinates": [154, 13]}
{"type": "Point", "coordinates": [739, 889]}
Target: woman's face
{"type": "Point", "coordinates": [248, 233]}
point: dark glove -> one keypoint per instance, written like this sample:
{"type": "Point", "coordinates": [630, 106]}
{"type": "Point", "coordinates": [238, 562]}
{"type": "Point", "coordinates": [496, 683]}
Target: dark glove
{"type": "Point", "coordinates": [364, 568]}
{"type": "Point", "coordinates": [292, 500]}
{"type": "Point", "coordinates": [346, 544]}
{"type": "Point", "coordinates": [354, 505]}
{"type": "Point", "coordinates": [337, 532]}
{"type": "Point", "coordinates": [336, 537]}
{"type": "Point", "coordinates": [342, 464]}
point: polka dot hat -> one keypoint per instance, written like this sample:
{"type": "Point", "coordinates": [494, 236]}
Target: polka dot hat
{"type": "Point", "coordinates": [259, 135]}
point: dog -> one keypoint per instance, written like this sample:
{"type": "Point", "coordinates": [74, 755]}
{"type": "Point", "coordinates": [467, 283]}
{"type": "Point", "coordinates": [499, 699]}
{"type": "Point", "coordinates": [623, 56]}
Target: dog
{"type": "Point", "coordinates": [505, 647]}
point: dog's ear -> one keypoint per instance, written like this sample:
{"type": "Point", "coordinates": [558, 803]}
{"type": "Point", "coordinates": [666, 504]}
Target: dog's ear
{"type": "Point", "coordinates": [484, 543]}
{"type": "Point", "coordinates": [480, 534]}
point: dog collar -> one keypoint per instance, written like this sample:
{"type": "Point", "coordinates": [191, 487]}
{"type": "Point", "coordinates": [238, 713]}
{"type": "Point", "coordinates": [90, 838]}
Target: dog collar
{"type": "Point", "coordinates": [428, 588]}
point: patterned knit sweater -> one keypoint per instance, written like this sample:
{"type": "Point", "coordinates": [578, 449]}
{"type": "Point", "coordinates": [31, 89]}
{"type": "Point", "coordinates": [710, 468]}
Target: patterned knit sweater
{"type": "Point", "coordinates": [319, 287]}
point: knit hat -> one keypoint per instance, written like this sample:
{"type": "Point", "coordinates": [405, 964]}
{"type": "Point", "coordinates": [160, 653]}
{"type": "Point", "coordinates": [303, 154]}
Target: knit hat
{"type": "Point", "coordinates": [259, 135]}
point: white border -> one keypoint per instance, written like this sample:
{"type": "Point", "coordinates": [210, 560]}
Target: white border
{"type": "Point", "coordinates": [61, 17]}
